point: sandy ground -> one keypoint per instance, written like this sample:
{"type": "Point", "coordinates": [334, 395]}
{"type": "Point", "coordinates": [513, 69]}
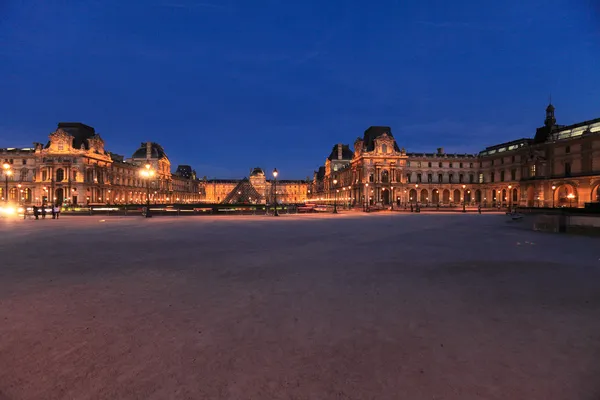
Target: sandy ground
{"type": "Point", "coordinates": [357, 306]}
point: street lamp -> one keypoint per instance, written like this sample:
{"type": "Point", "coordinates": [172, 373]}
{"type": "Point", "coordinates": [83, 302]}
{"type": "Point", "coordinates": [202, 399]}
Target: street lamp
{"type": "Point", "coordinates": [366, 194]}
{"type": "Point", "coordinates": [553, 191]}
{"type": "Point", "coordinates": [147, 173]}
{"type": "Point", "coordinates": [570, 196]}
{"type": "Point", "coordinates": [464, 199]}
{"type": "Point", "coordinates": [7, 173]}
{"type": "Point", "coordinates": [335, 196]}
{"type": "Point", "coordinates": [510, 197]}
{"type": "Point", "coordinates": [20, 194]}
{"type": "Point", "coordinates": [275, 173]}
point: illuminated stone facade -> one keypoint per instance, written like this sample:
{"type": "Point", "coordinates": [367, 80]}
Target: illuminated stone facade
{"type": "Point", "coordinates": [74, 168]}
{"type": "Point", "coordinates": [560, 166]}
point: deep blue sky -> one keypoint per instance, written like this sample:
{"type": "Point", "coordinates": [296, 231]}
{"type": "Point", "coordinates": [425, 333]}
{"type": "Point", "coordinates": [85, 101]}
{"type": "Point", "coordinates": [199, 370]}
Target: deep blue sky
{"type": "Point", "coordinates": [228, 85]}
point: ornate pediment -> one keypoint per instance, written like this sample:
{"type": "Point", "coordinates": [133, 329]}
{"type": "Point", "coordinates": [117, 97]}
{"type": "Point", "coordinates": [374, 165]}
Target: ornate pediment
{"type": "Point", "coordinates": [96, 144]}
{"type": "Point", "coordinates": [384, 144]}
{"type": "Point", "coordinates": [60, 141]}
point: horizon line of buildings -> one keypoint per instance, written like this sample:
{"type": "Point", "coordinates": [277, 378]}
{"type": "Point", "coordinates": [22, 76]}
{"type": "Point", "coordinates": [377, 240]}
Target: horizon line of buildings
{"type": "Point", "coordinates": [559, 166]}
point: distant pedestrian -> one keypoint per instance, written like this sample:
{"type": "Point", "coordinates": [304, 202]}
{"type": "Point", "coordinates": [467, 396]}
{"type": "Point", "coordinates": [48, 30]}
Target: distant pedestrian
{"type": "Point", "coordinates": [43, 211]}
{"type": "Point", "coordinates": [479, 208]}
{"type": "Point", "coordinates": [411, 207]}
{"type": "Point", "coordinates": [57, 211]}
{"type": "Point", "coordinates": [36, 212]}
{"type": "Point", "coordinates": [53, 211]}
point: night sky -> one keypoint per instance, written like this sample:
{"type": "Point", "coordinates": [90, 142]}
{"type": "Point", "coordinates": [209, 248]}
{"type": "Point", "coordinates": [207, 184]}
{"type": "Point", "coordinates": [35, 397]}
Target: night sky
{"type": "Point", "coordinates": [229, 85]}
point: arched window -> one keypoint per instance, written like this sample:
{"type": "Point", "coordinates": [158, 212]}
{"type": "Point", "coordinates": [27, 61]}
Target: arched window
{"type": "Point", "coordinates": [60, 175]}
{"type": "Point", "coordinates": [384, 176]}
{"type": "Point", "coordinates": [384, 148]}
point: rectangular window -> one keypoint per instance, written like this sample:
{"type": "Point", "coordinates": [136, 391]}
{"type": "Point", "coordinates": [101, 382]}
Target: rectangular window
{"type": "Point", "coordinates": [471, 179]}
{"type": "Point", "coordinates": [492, 162]}
{"type": "Point", "coordinates": [418, 164]}
{"type": "Point", "coordinates": [460, 178]}
{"type": "Point", "coordinates": [440, 178]}
{"type": "Point", "coordinates": [408, 163]}
{"type": "Point", "coordinates": [470, 165]}
{"type": "Point", "coordinates": [450, 178]}
{"type": "Point", "coordinates": [480, 164]}
{"type": "Point", "coordinates": [429, 164]}
{"type": "Point", "coordinates": [450, 165]}
{"type": "Point", "coordinates": [513, 158]}
{"type": "Point", "coordinates": [492, 177]}
{"type": "Point", "coordinates": [24, 161]}
{"type": "Point", "coordinates": [513, 175]}
{"type": "Point", "coordinates": [502, 160]}
{"type": "Point", "coordinates": [532, 171]}
{"type": "Point", "coordinates": [460, 165]}
{"type": "Point", "coordinates": [440, 164]}
{"type": "Point", "coordinates": [501, 176]}
{"type": "Point", "coordinates": [480, 178]}
{"type": "Point", "coordinates": [408, 178]}
{"type": "Point", "coordinates": [429, 178]}
{"type": "Point", "coordinates": [418, 178]}
{"type": "Point", "coordinates": [567, 169]}
{"type": "Point", "coordinates": [44, 175]}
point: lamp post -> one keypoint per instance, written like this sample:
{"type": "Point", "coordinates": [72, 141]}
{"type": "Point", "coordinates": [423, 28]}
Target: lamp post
{"type": "Point", "coordinates": [335, 196]}
{"type": "Point", "coordinates": [553, 191]}
{"type": "Point", "coordinates": [147, 173]}
{"type": "Point", "coordinates": [366, 194]}
{"type": "Point", "coordinates": [510, 197]}
{"type": "Point", "coordinates": [275, 173]}
{"type": "Point", "coordinates": [20, 199]}
{"type": "Point", "coordinates": [7, 173]}
{"type": "Point", "coordinates": [464, 199]}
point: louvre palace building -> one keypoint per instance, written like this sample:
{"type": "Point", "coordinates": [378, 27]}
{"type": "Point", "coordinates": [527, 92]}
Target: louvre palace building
{"type": "Point", "coordinates": [74, 168]}
{"type": "Point", "coordinates": [559, 166]}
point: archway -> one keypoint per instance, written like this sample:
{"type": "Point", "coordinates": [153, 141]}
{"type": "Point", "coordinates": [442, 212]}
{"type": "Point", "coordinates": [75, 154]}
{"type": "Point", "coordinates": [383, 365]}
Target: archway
{"type": "Point", "coordinates": [412, 196]}
{"type": "Point", "coordinates": [565, 195]}
{"type": "Point", "coordinates": [446, 196]}
{"type": "Point", "coordinates": [60, 196]}
{"type": "Point", "coordinates": [478, 196]}
{"type": "Point", "coordinates": [424, 196]}
{"type": "Point", "coordinates": [456, 196]}
{"type": "Point", "coordinates": [515, 196]}
{"type": "Point", "coordinates": [596, 194]}
{"type": "Point", "coordinates": [27, 195]}
{"type": "Point", "coordinates": [435, 196]}
{"type": "Point", "coordinates": [385, 196]}
{"type": "Point", "coordinates": [13, 194]}
{"type": "Point", "coordinates": [467, 196]}
{"type": "Point", "coordinates": [504, 199]}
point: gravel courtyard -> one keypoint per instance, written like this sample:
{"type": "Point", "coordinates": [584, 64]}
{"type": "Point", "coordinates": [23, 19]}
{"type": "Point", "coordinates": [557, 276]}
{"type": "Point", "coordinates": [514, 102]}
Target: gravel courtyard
{"type": "Point", "coordinates": [353, 306]}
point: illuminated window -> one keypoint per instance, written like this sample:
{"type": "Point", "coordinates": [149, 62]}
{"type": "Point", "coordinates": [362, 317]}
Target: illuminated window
{"type": "Point", "coordinates": [532, 170]}
{"type": "Point", "coordinates": [480, 178]}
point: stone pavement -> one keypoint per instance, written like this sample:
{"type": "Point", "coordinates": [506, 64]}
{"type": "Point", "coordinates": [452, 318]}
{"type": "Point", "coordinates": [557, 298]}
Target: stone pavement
{"type": "Point", "coordinates": [353, 306]}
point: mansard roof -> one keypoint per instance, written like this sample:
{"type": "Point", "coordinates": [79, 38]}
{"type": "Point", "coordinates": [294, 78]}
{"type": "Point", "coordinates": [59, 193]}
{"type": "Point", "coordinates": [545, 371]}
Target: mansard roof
{"type": "Point", "coordinates": [347, 154]}
{"type": "Point", "coordinates": [156, 151]}
{"type": "Point", "coordinates": [373, 133]}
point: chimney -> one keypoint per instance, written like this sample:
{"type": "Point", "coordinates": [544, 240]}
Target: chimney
{"type": "Point", "coordinates": [148, 150]}
{"type": "Point", "coordinates": [440, 150]}
{"type": "Point", "coordinates": [339, 151]}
